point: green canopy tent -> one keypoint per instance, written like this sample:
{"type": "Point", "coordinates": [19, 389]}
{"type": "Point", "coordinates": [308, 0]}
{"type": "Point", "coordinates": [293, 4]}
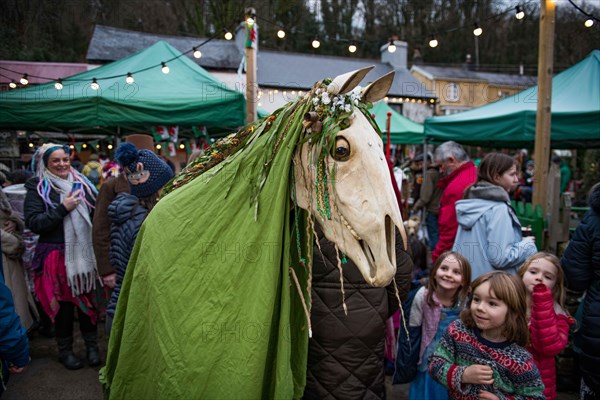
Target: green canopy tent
{"type": "Point", "coordinates": [402, 129]}
{"type": "Point", "coordinates": [187, 96]}
{"type": "Point", "coordinates": [510, 122]}
{"type": "Point", "coordinates": [261, 113]}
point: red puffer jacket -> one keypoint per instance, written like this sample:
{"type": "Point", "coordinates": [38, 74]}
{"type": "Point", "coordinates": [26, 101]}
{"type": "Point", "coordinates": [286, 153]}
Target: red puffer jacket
{"type": "Point", "coordinates": [549, 335]}
{"type": "Point", "coordinates": [453, 186]}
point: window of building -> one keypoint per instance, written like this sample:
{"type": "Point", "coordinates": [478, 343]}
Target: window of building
{"type": "Point", "coordinates": [452, 92]}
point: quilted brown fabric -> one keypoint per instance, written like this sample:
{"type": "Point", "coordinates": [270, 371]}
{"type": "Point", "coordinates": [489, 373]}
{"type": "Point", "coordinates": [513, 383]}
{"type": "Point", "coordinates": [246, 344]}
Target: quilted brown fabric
{"type": "Point", "coordinates": [346, 352]}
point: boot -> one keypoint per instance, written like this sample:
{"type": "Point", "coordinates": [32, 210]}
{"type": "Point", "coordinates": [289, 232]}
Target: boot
{"type": "Point", "coordinates": [65, 353]}
{"type": "Point", "coordinates": [93, 353]}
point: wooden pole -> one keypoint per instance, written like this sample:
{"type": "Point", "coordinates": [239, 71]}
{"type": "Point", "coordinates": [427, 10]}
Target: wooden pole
{"type": "Point", "coordinates": [251, 81]}
{"type": "Point", "coordinates": [544, 111]}
{"type": "Point", "coordinates": [388, 144]}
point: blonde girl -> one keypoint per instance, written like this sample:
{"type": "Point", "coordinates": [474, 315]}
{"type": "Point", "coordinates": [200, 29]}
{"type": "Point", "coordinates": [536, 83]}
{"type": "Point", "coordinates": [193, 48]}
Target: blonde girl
{"type": "Point", "coordinates": [482, 355]}
{"type": "Point", "coordinates": [434, 308]}
{"type": "Point", "coordinates": [549, 323]}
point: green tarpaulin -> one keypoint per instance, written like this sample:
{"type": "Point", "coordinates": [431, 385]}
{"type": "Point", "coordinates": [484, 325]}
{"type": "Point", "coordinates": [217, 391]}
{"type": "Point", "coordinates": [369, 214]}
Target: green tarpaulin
{"type": "Point", "coordinates": [511, 122]}
{"type": "Point", "coordinates": [403, 130]}
{"type": "Point", "coordinates": [208, 308]}
{"type": "Point", "coordinates": [186, 96]}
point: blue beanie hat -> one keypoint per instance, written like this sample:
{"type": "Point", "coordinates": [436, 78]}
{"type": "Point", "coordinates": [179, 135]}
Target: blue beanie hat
{"type": "Point", "coordinates": [146, 173]}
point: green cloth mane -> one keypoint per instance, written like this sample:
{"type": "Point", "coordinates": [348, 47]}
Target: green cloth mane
{"type": "Point", "coordinates": [209, 307]}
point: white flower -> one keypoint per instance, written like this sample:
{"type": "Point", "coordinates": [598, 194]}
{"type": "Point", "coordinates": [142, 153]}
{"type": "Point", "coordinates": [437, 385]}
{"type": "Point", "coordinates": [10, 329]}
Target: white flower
{"type": "Point", "coordinates": [348, 107]}
{"type": "Point", "coordinates": [315, 101]}
{"type": "Point", "coordinates": [325, 99]}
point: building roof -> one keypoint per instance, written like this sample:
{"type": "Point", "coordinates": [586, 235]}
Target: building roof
{"type": "Point", "coordinates": [274, 69]}
{"type": "Point", "coordinates": [111, 44]}
{"type": "Point", "coordinates": [301, 71]}
{"type": "Point", "coordinates": [37, 71]}
{"type": "Point", "coordinates": [465, 74]}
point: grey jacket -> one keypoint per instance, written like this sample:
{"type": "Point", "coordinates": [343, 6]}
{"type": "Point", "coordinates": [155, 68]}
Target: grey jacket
{"type": "Point", "coordinates": [489, 233]}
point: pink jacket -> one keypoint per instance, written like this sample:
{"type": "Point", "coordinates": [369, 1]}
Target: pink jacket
{"type": "Point", "coordinates": [549, 335]}
{"type": "Point", "coordinates": [454, 186]}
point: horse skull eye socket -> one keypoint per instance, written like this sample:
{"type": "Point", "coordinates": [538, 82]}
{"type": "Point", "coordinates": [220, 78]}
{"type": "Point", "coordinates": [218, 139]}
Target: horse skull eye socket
{"type": "Point", "coordinates": [342, 149]}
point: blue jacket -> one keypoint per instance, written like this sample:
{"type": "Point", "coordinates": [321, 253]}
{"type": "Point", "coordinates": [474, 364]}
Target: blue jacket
{"type": "Point", "coordinates": [14, 345]}
{"type": "Point", "coordinates": [127, 216]}
{"type": "Point", "coordinates": [489, 235]}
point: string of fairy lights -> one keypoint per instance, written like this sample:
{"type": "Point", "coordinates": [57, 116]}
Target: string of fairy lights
{"type": "Point", "coordinates": [195, 51]}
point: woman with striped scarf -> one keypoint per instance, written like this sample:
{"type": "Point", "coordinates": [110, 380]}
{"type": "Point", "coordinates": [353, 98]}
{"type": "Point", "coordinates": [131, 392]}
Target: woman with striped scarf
{"type": "Point", "coordinates": [58, 206]}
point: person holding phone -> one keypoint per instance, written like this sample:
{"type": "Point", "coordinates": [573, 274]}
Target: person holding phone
{"type": "Point", "coordinates": [58, 206]}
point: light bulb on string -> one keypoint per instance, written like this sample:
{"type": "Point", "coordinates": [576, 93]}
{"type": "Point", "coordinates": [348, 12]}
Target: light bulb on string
{"type": "Point", "coordinates": [95, 85]}
{"type": "Point", "coordinates": [228, 35]}
{"type": "Point", "coordinates": [477, 31]}
{"type": "Point", "coordinates": [433, 42]}
{"type": "Point", "coordinates": [71, 146]}
{"type": "Point", "coordinates": [182, 146]}
{"type": "Point", "coordinates": [588, 23]}
{"type": "Point", "coordinates": [197, 53]}
{"type": "Point", "coordinates": [12, 84]}
{"type": "Point", "coordinates": [280, 33]}
{"type": "Point", "coordinates": [24, 81]}
{"type": "Point", "coordinates": [110, 146]}
{"type": "Point", "coordinates": [250, 21]}
{"type": "Point", "coordinates": [31, 144]}
{"type": "Point", "coordinates": [158, 146]}
{"type": "Point", "coordinates": [165, 68]}
{"type": "Point", "coordinates": [519, 13]}
{"type": "Point", "coordinates": [315, 42]}
{"type": "Point", "coordinates": [58, 85]}
{"type": "Point", "coordinates": [84, 146]}
{"type": "Point", "coordinates": [352, 47]}
{"type": "Point", "coordinates": [129, 80]}
{"type": "Point", "coordinates": [391, 46]}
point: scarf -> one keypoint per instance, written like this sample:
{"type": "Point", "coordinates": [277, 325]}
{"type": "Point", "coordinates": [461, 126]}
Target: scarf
{"type": "Point", "coordinates": [79, 255]}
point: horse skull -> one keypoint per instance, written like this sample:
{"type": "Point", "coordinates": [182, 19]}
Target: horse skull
{"type": "Point", "coordinates": [364, 208]}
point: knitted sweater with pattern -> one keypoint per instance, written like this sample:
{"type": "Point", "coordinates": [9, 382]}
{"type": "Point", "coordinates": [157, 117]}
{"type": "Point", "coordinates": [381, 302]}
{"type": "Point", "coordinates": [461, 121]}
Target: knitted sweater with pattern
{"type": "Point", "coordinates": [515, 374]}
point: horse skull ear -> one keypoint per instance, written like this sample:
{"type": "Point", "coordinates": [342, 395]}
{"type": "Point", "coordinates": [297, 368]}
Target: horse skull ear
{"type": "Point", "coordinates": [378, 89]}
{"type": "Point", "coordinates": [346, 82]}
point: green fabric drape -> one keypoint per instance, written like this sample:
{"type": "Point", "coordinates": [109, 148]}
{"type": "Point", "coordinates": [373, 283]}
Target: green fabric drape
{"type": "Point", "coordinates": [208, 308]}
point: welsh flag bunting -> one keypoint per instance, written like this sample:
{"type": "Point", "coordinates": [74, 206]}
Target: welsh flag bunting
{"type": "Point", "coordinates": [200, 131]}
{"type": "Point", "coordinates": [171, 149]}
{"type": "Point", "coordinates": [169, 133]}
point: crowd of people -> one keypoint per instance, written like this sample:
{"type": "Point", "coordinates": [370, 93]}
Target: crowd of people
{"type": "Point", "coordinates": [487, 320]}
{"type": "Point", "coordinates": [491, 296]}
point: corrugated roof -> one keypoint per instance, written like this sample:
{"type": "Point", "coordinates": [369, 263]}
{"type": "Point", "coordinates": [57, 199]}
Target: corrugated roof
{"type": "Point", "coordinates": [450, 73]}
{"type": "Point", "coordinates": [111, 44]}
{"type": "Point", "coordinates": [274, 69]}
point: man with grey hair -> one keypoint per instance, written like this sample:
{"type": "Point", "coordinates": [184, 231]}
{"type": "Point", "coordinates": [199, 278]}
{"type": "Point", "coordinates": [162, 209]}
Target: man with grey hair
{"type": "Point", "coordinates": [458, 173]}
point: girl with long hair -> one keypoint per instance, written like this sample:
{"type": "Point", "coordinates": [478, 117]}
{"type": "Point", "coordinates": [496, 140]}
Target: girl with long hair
{"type": "Point", "coordinates": [489, 232]}
{"type": "Point", "coordinates": [434, 308]}
{"type": "Point", "coordinates": [483, 355]}
{"type": "Point", "coordinates": [549, 322]}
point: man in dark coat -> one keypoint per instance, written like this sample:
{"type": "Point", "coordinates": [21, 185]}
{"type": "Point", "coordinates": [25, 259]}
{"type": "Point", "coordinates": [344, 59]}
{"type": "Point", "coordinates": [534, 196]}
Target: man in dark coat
{"type": "Point", "coordinates": [581, 263]}
{"type": "Point", "coordinates": [346, 352]}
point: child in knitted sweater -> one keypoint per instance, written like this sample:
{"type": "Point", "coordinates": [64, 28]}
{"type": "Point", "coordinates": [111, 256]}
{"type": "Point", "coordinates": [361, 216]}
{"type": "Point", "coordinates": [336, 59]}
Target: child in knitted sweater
{"type": "Point", "coordinates": [482, 355]}
{"type": "Point", "coordinates": [549, 323]}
